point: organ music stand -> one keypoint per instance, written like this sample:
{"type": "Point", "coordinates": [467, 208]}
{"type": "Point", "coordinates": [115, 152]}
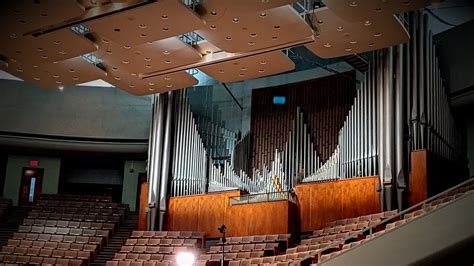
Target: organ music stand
{"type": "Point", "coordinates": [222, 231]}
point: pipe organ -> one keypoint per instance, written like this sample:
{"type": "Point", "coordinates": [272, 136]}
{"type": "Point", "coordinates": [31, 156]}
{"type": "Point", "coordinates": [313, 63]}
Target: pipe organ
{"type": "Point", "coordinates": [400, 106]}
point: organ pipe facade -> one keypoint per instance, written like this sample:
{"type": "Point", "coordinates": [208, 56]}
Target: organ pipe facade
{"type": "Point", "coordinates": [400, 106]}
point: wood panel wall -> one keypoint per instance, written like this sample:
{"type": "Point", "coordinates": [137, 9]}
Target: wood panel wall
{"type": "Point", "coordinates": [206, 213]}
{"type": "Point", "coordinates": [325, 102]}
{"type": "Point", "coordinates": [319, 203]}
{"type": "Point", "coordinates": [142, 219]}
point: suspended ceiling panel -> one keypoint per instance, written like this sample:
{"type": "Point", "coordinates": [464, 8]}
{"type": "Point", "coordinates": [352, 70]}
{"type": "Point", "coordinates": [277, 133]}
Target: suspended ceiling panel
{"type": "Point", "coordinates": [363, 10]}
{"type": "Point", "coordinates": [336, 37]}
{"type": "Point", "coordinates": [51, 47]}
{"type": "Point", "coordinates": [53, 75]}
{"type": "Point", "coordinates": [147, 23]}
{"type": "Point", "coordinates": [158, 84]}
{"type": "Point", "coordinates": [254, 31]}
{"type": "Point", "coordinates": [251, 67]}
{"type": "Point", "coordinates": [18, 17]}
{"type": "Point", "coordinates": [148, 57]}
{"type": "Point", "coordinates": [214, 10]}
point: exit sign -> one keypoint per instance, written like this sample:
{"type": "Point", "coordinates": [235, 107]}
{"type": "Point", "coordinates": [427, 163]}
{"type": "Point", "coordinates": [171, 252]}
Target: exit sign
{"type": "Point", "coordinates": [34, 163]}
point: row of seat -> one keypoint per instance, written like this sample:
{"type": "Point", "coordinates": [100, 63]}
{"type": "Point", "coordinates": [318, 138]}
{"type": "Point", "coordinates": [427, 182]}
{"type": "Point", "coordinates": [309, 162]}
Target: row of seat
{"type": "Point", "coordinates": [257, 239]}
{"type": "Point", "coordinates": [51, 245]}
{"type": "Point", "coordinates": [189, 242]}
{"type": "Point", "coordinates": [304, 248]}
{"type": "Point", "coordinates": [46, 252]}
{"type": "Point", "coordinates": [29, 260]}
{"type": "Point", "coordinates": [5, 205]}
{"type": "Point", "coordinates": [72, 197]}
{"type": "Point", "coordinates": [365, 218]}
{"type": "Point", "coordinates": [461, 190]}
{"type": "Point", "coordinates": [63, 231]}
{"type": "Point", "coordinates": [272, 247]}
{"type": "Point", "coordinates": [59, 238]}
{"type": "Point", "coordinates": [74, 217]}
{"type": "Point", "coordinates": [75, 210]}
{"type": "Point", "coordinates": [145, 257]}
{"type": "Point", "coordinates": [230, 256]}
{"type": "Point", "coordinates": [284, 259]}
{"type": "Point", "coordinates": [167, 234]}
{"type": "Point", "coordinates": [138, 263]}
{"type": "Point", "coordinates": [325, 239]}
{"type": "Point", "coordinates": [82, 204]}
{"type": "Point", "coordinates": [69, 224]}
{"type": "Point", "coordinates": [343, 228]}
{"type": "Point", "coordinates": [153, 249]}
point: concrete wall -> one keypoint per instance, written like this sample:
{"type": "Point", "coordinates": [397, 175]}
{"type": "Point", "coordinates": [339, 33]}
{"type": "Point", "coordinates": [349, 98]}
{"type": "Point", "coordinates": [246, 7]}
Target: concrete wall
{"type": "Point", "coordinates": [90, 112]}
{"type": "Point", "coordinates": [15, 166]}
{"type": "Point", "coordinates": [130, 182]}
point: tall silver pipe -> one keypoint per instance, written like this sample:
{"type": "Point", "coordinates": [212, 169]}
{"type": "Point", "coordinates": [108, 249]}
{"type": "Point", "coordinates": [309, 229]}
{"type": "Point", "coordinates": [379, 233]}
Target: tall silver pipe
{"type": "Point", "coordinates": [399, 117]}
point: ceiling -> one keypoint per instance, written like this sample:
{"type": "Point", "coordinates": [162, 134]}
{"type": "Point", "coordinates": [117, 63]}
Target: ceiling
{"type": "Point", "coordinates": [147, 47]}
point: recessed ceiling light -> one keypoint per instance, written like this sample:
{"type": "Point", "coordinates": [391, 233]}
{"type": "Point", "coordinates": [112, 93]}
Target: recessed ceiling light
{"type": "Point", "coordinates": [39, 49]}
{"type": "Point", "coordinates": [131, 86]}
{"type": "Point", "coordinates": [353, 4]}
{"type": "Point", "coordinates": [243, 69]}
{"type": "Point", "coordinates": [213, 27]}
{"type": "Point", "coordinates": [371, 44]}
{"type": "Point", "coordinates": [320, 21]}
{"type": "Point", "coordinates": [327, 45]}
{"type": "Point", "coordinates": [406, 3]}
{"type": "Point", "coordinates": [241, 74]}
{"type": "Point", "coordinates": [340, 28]}
{"type": "Point", "coordinates": [57, 42]}
{"type": "Point", "coordinates": [105, 41]}
{"type": "Point", "coordinates": [166, 52]}
{"type": "Point", "coordinates": [151, 89]}
{"type": "Point", "coordinates": [277, 27]}
{"type": "Point", "coordinates": [235, 20]}
{"type": "Point", "coordinates": [127, 46]}
{"type": "Point", "coordinates": [274, 38]}
{"type": "Point", "coordinates": [143, 35]}
{"type": "Point", "coordinates": [348, 49]}
{"type": "Point", "coordinates": [142, 26]}
{"type": "Point", "coordinates": [117, 78]}
{"type": "Point", "coordinates": [261, 70]}
{"type": "Point", "coordinates": [43, 15]}
{"type": "Point", "coordinates": [148, 66]}
{"type": "Point", "coordinates": [22, 21]}
{"type": "Point", "coordinates": [59, 82]}
{"type": "Point", "coordinates": [13, 36]}
{"type": "Point", "coordinates": [44, 57]}
{"type": "Point", "coordinates": [151, 83]}
{"type": "Point", "coordinates": [168, 61]}
{"type": "Point", "coordinates": [167, 78]}
{"type": "Point", "coordinates": [114, 68]}
{"type": "Point", "coordinates": [228, 38]}
{"type": "Point", "coordinates": [165, 29]}
{"type": "Point", "coordinates": [148, 59]}
{"type": "Point", "coordinates": [19, 70]}
{"type": "Point", "coordinates": [36, 78]}
{"type": "Point", "coordinates": [213, 13]}
{"type": "Point", "coordinates": [164, 16]}
{"type": "Point", "coordinates": [117, 29]}
{"type": "Point", "coordinates": [251, 43]}
{"type": "Point", "coordinates": [169, 86]}
{"type": "Point", "coordinates": [75, 78]}
{"type": "Point", "coordinates": [125, 61]}
{"type": "Point", "coordinates": [62, 52]}
{"type": "Point", "coordinates": [353, 42]}
{"type": "Point", "coordinates": [221, 71]}
{"type": "Point", "coordinates": [263, 62]}
{"type": "Point", "coordinates": [55, 76]}
{"type": "Point", "coordinates": [378, 34]}
{"type": "Point", "coordinates": [367, 23]}
{"type": "Point", "coordinates": [35, 66]}
{"type": "Point", "coordinates": [378, 9]}
{"type": "Point", "coordinates": [263, 14]}
{"type": "Point", "coordinates": [72, 70]}
{"type": "Point", "coordinates": [253, 35]}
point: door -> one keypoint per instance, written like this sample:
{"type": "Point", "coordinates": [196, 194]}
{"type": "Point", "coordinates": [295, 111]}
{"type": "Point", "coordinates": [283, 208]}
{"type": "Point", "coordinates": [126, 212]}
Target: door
{"type": "Point", "coordinates": [31, 184]}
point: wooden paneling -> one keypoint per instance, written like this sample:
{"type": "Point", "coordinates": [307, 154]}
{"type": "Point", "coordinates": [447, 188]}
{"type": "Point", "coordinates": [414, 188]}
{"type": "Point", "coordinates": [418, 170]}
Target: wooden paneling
{"type": "Point", "coordinates": [324, 103]}
{"type": "Point", "coordinates": [261, 218]}
{"type": "Point", "coordinates": [143, 205]}
{"type": "Point", "coordinates": [319, 203]}
{"type": "Point", "coordinates": [418, 189]}
{"type": "Point", "coordinates": [203, 213]}
{"type": "Point", "coordinates": [208, 212]}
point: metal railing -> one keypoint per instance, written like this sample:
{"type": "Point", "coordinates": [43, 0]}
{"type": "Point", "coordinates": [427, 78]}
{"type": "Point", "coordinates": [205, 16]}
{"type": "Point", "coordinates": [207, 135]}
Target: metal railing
{"type": "Point", "coordinates": [371, 229]}
{"type": "Point", "coordinates": [262, 197]}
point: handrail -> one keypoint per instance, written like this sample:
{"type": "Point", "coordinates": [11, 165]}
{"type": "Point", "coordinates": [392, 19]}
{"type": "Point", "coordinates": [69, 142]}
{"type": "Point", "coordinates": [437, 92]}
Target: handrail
{"type": "Point", "coordinates": [370, 228]}
{"type": "Point", "coordinates": [266, 197]}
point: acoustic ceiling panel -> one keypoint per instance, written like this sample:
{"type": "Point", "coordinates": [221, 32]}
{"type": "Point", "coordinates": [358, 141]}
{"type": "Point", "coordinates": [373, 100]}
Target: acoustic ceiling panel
{"type": "Point", "coordinates": [336, 37]}
{"type": "Point", "coordinates": [363, 10]}
{"type": "Point", "coordinates": [148, 57]}
{"type": "Point", "coordinates": [147, 23]}
{"type": "Point", "coordinates": [53, 75]}
{"type": "Point", "coordinates": [254, 31]}
{"type": "Point", "coordinates": [250, 67]}
{"type": "Point", "coordinates": [19, 17]}
{"type": "Point", "coordinates": [214, 10]}
{"type": "Point", "coordinates": [51, 47]}
{"type": "Point", "coordinates": [133, 84]}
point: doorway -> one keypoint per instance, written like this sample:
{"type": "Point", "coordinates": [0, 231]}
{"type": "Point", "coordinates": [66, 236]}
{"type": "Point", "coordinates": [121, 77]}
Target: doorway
{"type": "Point", "coordinates": [31, 185]}
{"type": "Point", "coordinates": [142, 178]}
